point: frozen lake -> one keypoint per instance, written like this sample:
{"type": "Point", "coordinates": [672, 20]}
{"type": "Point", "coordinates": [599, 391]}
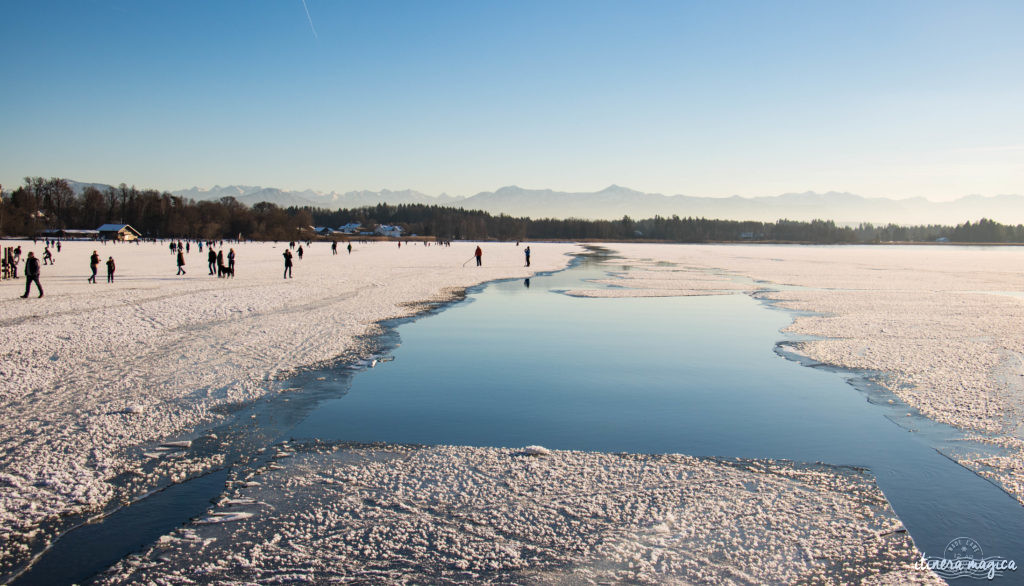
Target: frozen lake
{"type": "Point", "coordinates": [522, 363]}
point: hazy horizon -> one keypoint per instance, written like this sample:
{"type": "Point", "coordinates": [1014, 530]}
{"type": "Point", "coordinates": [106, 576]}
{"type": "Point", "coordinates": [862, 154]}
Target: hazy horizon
{"type": "Point", "coordinates": [615, 202]}
{"type": "Point", "coordinates": [879, 99]}
{"type": "Point", "coordinates": [208, 188]}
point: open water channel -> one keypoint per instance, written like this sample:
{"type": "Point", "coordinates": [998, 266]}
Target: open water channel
{"type": "Point", "coordinates": [521, 363]}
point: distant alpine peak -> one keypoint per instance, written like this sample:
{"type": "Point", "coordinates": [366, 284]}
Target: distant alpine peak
{"type": "Point", "coordinates": [614, 189]}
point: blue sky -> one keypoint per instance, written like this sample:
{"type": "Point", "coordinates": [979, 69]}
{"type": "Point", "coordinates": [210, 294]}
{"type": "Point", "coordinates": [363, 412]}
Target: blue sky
{"type": "Point", "coordinates": [711, 98]}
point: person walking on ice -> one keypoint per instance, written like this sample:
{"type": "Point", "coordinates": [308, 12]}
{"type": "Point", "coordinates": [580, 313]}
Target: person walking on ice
{"type": "Point", "coordinates": [110, 269]}
{"type": "Point", "coordinates": [479, 254]}
{"type": "Point", "coordinates": [94, 261]}
{"type": "Point", "coordinates": [181, 262]}
{"type": "Point", "coordinates": [32, 274]}
{"type": "Point", "coordinates": [527, 253]}
{"type": "Point", "coordinates": [47, 256]}
{"type": "Point", "coordinates": [287, 264]}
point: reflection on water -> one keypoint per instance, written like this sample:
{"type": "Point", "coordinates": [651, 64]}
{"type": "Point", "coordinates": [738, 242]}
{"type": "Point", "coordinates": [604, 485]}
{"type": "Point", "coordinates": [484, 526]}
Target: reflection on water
{"type": "Point", "coordinates": [522, 364]}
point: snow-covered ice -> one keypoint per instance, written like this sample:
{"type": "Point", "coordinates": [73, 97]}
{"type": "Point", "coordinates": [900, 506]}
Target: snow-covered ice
{"type": "Point", "coordinates": [650, 278]}
{"type": "Point", "coordinates": [94, 377]}
{"type": "Point", "coordinates": [536, 451]}
{"type": "Point", "coordinates": [388, 514]}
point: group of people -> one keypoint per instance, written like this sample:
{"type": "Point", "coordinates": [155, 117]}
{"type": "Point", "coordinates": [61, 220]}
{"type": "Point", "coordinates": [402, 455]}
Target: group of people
{"type": "Point", "coordinates": [215, 260]}
{"type": "Point", "coordinates": [478, 254]}
{"type": "Point", "coordinates": [94, 263]}
{"type": "Point", "coordinates": [287, 254]}
{"type": "Point", "coordinates": [334, 247]}
{"type": "Point", "coordinates": [10, 258]}
{"type": "Point", "coordinates": [217, 266]}
{"type": "Point", "coordinates": [32, 268]}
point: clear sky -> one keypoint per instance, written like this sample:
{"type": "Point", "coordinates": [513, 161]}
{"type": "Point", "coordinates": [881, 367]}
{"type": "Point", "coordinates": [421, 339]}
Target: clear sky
{"type": "Point", "coordinates": [708, 98]}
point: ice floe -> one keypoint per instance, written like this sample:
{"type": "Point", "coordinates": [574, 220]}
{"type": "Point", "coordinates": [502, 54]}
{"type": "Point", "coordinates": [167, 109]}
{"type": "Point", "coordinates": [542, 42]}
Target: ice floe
{"type": "Point", "coordinates": [385, 514]}
{"type": "Point", "coordinates": [214, 518]}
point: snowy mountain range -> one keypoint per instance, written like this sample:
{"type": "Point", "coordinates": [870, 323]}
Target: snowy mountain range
{"type": "Point", "coordinates": [615, 202]}
{"type": "Point", "coordinates": [250, 195]}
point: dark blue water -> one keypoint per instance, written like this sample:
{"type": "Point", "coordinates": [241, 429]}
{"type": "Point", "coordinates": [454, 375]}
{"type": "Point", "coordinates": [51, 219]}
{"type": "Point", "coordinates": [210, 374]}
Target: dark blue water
{"type": "Point", "coordinates": [74, 561]}
{"type": "Point", "coordinates": [520, 365]}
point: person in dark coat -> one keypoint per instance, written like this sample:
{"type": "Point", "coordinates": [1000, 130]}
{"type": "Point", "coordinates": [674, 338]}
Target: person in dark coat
{"type": "Point", "coordinates": [287, 264]}
{"type": "Point", "coordinates": [32, 274]}
{"type": "Point", "coordinates": [94, 261]}
{"type": "Point", "coordinates": [211, 258]}
{"type": "Point", "coordinates": [527, 253]}
{"type": "Point", "coordinates": [110, 269]}
{"type": "Point", "coordinates": [181, 262]}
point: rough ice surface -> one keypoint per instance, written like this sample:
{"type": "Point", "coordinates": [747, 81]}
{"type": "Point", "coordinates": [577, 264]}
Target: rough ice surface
{"type": "Point", "coordinates": [405, 514]}
{"type": "Point", "coordinates": [94, 378]}
{"type": "Point", "coordinates": [652, 278]}
{"type": "Point", "coordinates": [942, 325]}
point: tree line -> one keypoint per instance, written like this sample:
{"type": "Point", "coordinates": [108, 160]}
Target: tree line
{"type": "Point", "coordinates": [458, 223]}
{"type": "Point", "coordinates": [42, 204]}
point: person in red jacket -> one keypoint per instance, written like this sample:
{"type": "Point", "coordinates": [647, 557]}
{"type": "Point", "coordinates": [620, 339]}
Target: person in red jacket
{"type": "Point", "coordinates": [479, 254]}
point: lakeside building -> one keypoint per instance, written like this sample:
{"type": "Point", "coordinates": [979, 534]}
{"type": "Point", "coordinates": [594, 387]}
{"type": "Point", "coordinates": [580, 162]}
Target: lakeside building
{"type": "Point", "coordinates": [122, 232]}
{"type": "Point", "coordinates": [389, 230]}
